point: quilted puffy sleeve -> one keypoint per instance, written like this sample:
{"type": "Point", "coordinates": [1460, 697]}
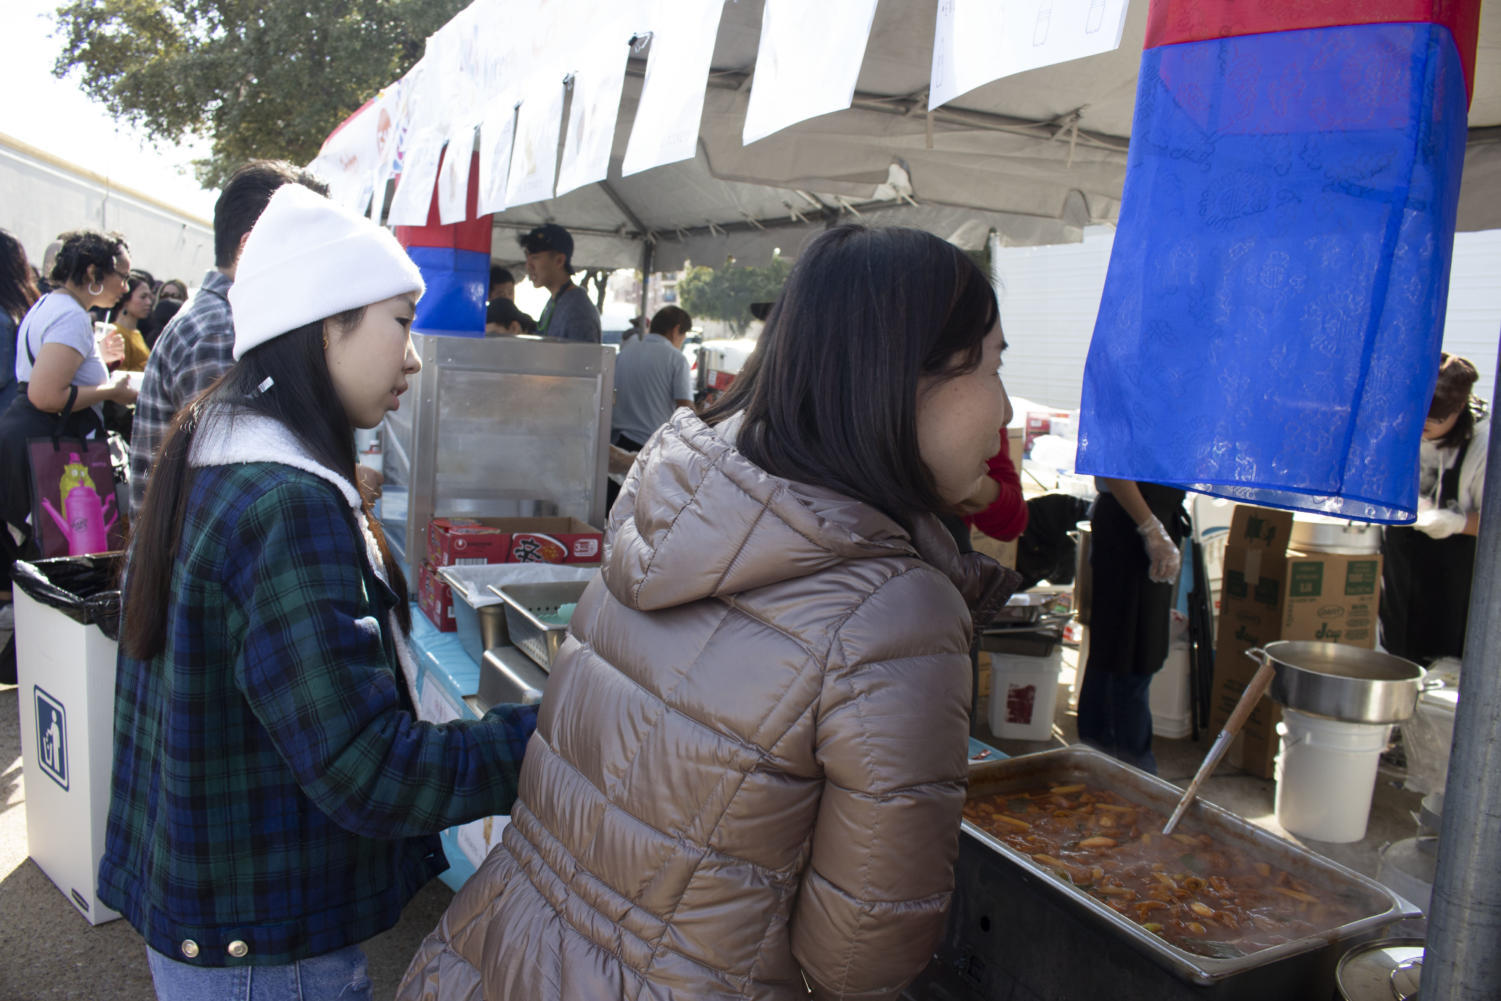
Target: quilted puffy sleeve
{"type": "Point", "coordinates": [892, 738]}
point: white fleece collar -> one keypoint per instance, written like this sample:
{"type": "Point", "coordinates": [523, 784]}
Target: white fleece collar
{"type": "Point", "coordinates": [233, 437]}
{"type": "Point", "coordinates": [229, 437]}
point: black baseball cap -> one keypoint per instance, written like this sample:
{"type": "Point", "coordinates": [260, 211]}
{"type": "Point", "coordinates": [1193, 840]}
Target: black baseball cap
{"type": "Point", "coordinates": [549, 236]}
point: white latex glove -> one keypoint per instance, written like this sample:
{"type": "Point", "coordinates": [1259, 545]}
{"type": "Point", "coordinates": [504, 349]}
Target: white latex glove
{"type": "Point", "coordinates": [1165, 558]}
{"type": "Point", "coordinates": [1440, 523]}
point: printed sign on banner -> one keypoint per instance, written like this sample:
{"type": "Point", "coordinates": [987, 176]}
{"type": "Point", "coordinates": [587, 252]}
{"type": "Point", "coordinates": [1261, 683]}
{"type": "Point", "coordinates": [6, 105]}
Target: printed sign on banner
{"type": "Point", "coordinates": [977, 41]}
{"type": "Point", "coordinates": [419, 171]}
{"type": "Point", "coordinates": [453, 178]}
{"type": "Point", "coordinates": [672, 95]}
{"type": "Point", "coordinates": [591, 116]}
{"type": "Point", "coordinates": [798, 74]}
{"type": "Point", "coordinates": [534, 158]}
{"type": "Point", "coordinates": [497, 134]}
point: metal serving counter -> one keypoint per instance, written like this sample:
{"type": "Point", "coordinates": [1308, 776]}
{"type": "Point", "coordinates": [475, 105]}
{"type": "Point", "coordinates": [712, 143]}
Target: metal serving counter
{"type": "Point", "coordinates": [497, 427]}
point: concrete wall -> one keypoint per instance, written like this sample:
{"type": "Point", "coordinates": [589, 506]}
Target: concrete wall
{"type": "Point", "coordinates": [1049, 297]}
{"type": "Point", "coordinates": [41, 196]}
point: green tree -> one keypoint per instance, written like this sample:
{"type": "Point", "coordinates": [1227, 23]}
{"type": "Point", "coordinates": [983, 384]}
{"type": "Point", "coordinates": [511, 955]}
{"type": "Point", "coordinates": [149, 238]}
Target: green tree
{"type": "Point", "coordinates": [258, 79]}
{"type": "Point", "coordinates": [726, 293]}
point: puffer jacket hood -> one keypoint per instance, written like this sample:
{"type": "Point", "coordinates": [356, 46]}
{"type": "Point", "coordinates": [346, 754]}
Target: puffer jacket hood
{"type": "Point", "coordinates": [749, 765]}
{"type": "Point", "coordinates": [696, 519]}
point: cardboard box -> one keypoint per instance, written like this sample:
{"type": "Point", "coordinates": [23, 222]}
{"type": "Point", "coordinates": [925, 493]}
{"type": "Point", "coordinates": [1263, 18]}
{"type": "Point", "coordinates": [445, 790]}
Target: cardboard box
{"type": "Point", "coordinates": [475, 541]}
{"type": "Point", "coordinates": [1270, 593]}
{"type": "Point", "coordinates": [552, 540]}
{"type": "Point", "coordinates": [460, 542]}
{"type": "Point", "coordinates": [66, 686]}
{"type": "Point", "coordinates": [435, 598]}
{"type": "Point", "coordinates": [1003, 553]}
{"type": "Point", "coordinates": [1041, 422]}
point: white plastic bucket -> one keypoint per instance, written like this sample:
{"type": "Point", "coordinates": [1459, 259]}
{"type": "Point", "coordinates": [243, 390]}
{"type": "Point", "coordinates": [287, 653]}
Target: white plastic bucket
{"type": "Point", "coordinates": [1326, 772]}
{"type": "Point", "coordinates": [1024, 694]}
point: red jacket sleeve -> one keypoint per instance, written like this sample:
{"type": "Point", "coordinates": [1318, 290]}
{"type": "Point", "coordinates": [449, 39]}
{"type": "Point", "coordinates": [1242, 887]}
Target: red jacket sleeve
{"type": "Point", "coordinates": [1006, 518]}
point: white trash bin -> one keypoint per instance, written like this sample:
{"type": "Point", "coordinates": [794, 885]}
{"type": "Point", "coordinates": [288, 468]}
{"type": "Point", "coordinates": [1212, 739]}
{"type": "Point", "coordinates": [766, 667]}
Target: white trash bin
{"type": "Point", "coordinates": [1024, 670]}
{"type": "Point", "coordinates": [1326, 773]}
{"type": "Point", "coordinates": [66, 685]}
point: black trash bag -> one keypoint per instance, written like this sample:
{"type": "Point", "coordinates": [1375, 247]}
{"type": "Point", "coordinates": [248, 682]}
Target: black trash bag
{"type": "Point", "coordinates": [84, 588]}
{"type": "Point", "coordinates": [1045, 551]}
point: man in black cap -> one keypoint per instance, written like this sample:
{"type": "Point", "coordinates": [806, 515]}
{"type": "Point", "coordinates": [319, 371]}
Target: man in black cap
{"type": "Point", "coordinates": [568, 315]}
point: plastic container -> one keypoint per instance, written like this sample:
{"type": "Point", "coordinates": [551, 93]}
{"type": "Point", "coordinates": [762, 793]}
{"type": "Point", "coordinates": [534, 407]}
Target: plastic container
{"type": "Point", "coordinates": [1024, 691]}
{"type": "Point", "coordinates": [1427, 738]}
{"type": "Point", "coordinates": [1172, 714]}
{"type": "Point", "coordinates": [1326, 773]}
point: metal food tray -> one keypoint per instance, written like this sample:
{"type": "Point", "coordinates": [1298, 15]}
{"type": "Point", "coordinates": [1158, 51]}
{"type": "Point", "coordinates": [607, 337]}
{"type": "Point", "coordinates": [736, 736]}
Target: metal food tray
{"type": "Point", "coordinates": [525, 604]}
{"type": "Point", "coordinates": [1076, 764]}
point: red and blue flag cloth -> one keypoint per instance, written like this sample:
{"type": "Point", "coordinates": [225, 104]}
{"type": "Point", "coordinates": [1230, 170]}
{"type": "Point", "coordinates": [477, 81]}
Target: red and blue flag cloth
{"type": "Point", "coordinates": [455, 264]}
{"type": "Point", "coordinates": [1273, 313]}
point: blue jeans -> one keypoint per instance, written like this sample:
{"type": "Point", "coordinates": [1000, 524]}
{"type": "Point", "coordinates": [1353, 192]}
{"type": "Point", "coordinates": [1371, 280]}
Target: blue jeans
{"type": "Point", "coordinates": [335, 975]}
{"type": "Point", "coordinates": [1115, 716]}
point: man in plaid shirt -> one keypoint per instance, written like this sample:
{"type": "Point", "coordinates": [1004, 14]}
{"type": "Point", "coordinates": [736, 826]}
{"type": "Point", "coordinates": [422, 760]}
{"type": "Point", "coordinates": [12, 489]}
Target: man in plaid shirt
{"type": "Point", "coordinates": [194, 350]}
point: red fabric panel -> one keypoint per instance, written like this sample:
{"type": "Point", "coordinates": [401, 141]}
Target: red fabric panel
{"type": "Point", "coordinates": [1172, 21]}
{"type": "Point", "coordinates": [473, 233]}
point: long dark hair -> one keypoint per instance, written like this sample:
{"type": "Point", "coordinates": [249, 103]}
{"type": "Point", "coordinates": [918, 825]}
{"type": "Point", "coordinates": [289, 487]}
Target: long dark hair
{"type": "Point", "coordinates": [830, 392]}
{"type": "Point", "coordinates": [17, 289]}
{"type": "Point", "coordinates": [303, 400]}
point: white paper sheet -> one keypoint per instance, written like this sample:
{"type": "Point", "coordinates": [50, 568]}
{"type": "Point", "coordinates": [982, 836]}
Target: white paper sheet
{"type": "Point", "coordinates": [977, 41]}
{"type": "Point", "coordinates": [534, 158]}
{"type": "Point", "coordinates": [477, 837]}
{"type": "Point", "coordinates": [434, 704]}
{"type": "Point", "coordinates": [453, 176]}
{"type": "Point", "coordinates": [799, 74]}
{"type": "Point", "coordinates": [672, 95]}
{"type": "Point", "coordinates": [497, 134]}
{"type": "Point", "coordinates": [591, 116]}
{"type": "Point", "coordinates": [419, 171]}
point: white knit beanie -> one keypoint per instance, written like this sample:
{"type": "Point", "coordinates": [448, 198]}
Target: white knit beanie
{"type": "Point", "coordinates": [308, 259]}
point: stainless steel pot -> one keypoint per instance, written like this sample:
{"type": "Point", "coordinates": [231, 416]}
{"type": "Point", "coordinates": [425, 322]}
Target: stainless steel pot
{"type": "Point", "coordinates": [1083, 572]}
{"type": "Point", "coordinates": [1322, 534]}
{"type": "Point", "coordinates": [1342, 682]}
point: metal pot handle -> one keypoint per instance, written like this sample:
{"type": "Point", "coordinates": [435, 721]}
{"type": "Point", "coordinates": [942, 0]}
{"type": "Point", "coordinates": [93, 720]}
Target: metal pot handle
{"type": "Point", "coordinates": [1430, 683]}
{"type": "Point", "coordinates": [1259, 654]}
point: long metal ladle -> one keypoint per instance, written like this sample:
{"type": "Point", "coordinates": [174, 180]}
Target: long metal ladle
{"type": "Point", "coordinates": [1248, 699]}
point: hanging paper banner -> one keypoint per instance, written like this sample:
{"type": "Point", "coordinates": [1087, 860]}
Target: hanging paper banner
{"type": "Point", "coordinates": [1273, 312]}
{"type": "Point", "coordinates": [497, 134]}
{"type": "Point", "coordinates": [592, 115]}
{"type": "Point", "coordinates": [347, 159]}
{"type": "Point", "coordinates": [534, 158]}
{"type": "Point", "coordinates": [453, 176]}
{"type": "Point", "coordinates": [977, 41]}
{"type": "Point", "coordinates": [799, 75]}
{"type": "Point", "coordinates": [418, 173]}
{"type": "Point", "coordinates": [672, 95]}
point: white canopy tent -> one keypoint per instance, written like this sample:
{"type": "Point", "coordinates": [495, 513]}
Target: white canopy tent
{"type": "Point", "coordinates": [1034, 156]}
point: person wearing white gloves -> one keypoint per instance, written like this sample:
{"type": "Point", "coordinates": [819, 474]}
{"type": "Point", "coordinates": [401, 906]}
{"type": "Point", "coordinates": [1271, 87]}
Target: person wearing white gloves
{"type": "Point", "coordinates": [1425, 576]}
{"type": "Point", "coordinates": [1135, 557]}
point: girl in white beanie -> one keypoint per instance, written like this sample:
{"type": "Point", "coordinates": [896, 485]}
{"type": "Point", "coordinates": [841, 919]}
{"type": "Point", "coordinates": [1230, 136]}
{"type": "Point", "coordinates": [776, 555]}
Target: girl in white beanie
{"type": "Point", "coordinates": [275, 801]}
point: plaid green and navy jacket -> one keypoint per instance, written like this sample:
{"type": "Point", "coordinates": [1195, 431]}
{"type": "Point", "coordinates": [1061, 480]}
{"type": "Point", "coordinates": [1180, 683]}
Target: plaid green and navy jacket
{"type": "Point", "coordinates": [271, 785]}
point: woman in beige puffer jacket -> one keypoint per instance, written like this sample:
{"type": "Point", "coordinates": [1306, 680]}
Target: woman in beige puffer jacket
{"type": "Point", "coordinates": [747, 775]}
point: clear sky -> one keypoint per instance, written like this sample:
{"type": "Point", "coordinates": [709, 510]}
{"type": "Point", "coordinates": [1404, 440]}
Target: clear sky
{"type": "Point", "coordinates": [55, 116]}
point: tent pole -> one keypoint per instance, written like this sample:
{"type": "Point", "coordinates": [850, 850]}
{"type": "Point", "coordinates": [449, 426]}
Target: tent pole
{"type": "Point", "coordinates": [1464, 923]}
{"type": "Point", "coordinates": [648, 259]}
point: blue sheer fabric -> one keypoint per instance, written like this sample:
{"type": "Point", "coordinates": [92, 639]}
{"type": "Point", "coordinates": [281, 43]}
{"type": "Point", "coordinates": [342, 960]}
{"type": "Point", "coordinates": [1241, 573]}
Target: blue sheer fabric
{"type": "Point", "coordinates": [1273, 312]}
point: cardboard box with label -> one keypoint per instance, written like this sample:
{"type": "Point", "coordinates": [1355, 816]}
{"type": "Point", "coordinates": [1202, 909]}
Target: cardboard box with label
{"type": "Point", "coordinates": [1271, 592]}
{"type": "Point", "coordinates": [476, 541]}
{"type": "Point", "coordinates": [435, 598]}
